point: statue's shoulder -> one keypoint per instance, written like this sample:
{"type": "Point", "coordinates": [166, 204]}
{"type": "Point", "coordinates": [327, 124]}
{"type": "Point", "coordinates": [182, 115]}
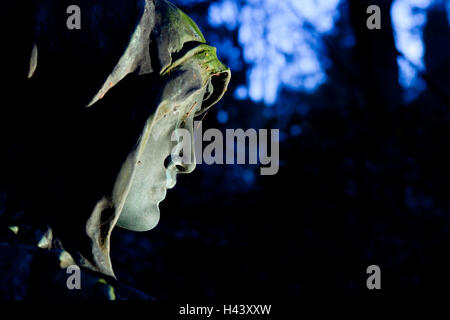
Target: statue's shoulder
{"type": "Point", "coordinates": [30, 271]}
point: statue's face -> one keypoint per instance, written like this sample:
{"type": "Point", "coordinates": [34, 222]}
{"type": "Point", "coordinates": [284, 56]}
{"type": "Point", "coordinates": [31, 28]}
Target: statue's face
{"type": "Point", "coordinates": [194, 82]}
{"type": "Point", "coordinates": [152, 168]}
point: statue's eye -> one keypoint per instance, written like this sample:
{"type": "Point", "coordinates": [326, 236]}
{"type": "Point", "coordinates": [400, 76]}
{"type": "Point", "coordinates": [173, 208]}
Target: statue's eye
{"type": "Point", "coordinates": [200, 116]}
{"type": "Point", "coordinates": [199, 112]}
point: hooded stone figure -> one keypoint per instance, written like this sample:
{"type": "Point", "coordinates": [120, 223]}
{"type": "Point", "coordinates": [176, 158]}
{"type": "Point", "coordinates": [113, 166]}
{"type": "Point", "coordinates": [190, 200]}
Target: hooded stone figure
{"type": "Point", "coordinates": [86, 123]}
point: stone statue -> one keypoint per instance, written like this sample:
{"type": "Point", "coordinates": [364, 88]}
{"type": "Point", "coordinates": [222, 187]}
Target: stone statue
{"type": "Point", "coordinates": [86, 124]}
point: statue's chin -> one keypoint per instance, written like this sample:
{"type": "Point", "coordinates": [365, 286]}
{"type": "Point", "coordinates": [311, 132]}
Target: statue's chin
{"type": "Point", "coordinates": [139, 220]}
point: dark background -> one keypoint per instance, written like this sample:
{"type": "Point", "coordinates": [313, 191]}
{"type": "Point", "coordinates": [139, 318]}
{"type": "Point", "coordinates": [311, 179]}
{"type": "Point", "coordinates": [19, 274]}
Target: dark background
{"type": "Point", "coordinates": [364, 179]}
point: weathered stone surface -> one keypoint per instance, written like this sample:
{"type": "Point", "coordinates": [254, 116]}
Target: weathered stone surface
{"type": "Point", "coordinates": [83, 123]}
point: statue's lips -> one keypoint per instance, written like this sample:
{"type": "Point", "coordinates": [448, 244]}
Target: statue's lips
{"type": "Point", "coordinates": [162, 195]}
{"type": "Point", "coordinates": [171, 178]}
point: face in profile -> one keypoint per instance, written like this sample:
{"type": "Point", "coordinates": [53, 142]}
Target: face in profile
{"type": "Point", "coordinates": [151, 169]}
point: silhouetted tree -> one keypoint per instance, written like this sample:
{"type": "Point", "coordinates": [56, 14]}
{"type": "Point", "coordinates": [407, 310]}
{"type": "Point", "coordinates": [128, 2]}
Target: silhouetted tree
{"type": "Point", "coordinates": [376, 55]}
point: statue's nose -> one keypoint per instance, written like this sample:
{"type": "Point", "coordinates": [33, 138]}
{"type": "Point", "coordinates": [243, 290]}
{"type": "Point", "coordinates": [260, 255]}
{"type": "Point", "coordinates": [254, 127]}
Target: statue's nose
{"type": "Point", "coordinates": [185, 167]}
{"type": "Point", "coordinates": [177, 162]}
